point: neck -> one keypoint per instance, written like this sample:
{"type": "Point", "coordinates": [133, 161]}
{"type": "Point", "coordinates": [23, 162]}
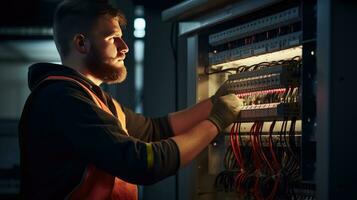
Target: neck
{"type": "Point", "coordinates": [84, 71]}
{"type": "Point", "coordinates": [95, 80]}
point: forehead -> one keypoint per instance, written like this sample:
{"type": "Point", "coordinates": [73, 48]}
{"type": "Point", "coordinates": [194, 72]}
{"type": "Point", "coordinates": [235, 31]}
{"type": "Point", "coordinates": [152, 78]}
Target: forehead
{"type": "Point", "coordinates": [106, 25]}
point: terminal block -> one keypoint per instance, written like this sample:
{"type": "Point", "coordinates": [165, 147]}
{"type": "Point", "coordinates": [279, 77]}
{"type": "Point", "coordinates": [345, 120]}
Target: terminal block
{"type": "Point", "coordinates": [270, 111]}
{"type": "Point", "coordinates": [255, 49]}
{"type": "Point", "coordinates": [267, 78]}
{"type": "Point", "coordinates": [279, 19]}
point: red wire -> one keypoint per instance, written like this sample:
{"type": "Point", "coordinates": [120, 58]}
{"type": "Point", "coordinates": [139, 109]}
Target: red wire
{"type": "Point", "coordinates": [252, 139]}
{"type": "Point", "coordinates": [236, 146]}
{"type": "Point", "coordinates": [276, 162]}
{"type": "Point", "coordinates": [258, 157]}
{"type": "Point", "coordinates": [275, 188]}
{"type": "Point", "coordinates": [242, 175]}
{"type": "Point", "coordinates": [240, 155]}
{"type": "Point", "coordinates": [237, 154]}
{"type": "Point", "coordinates": [232, 140]}
{"type": "Point", "coordinates": [259, 167]}
{"type": "Point", "coordinates": [264, 157]}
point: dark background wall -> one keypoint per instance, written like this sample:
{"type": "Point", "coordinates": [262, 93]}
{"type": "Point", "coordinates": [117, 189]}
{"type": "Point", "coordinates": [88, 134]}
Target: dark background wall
{"type": "Point", "coordinates": [159, 86]}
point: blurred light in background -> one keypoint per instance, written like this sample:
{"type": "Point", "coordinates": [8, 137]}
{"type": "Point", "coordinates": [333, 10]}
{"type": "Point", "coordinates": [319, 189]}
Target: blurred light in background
{"type": "Point", "coordinates": [139, 47]}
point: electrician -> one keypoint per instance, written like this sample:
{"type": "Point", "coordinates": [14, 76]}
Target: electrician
{"type": "Point", "coordinates": [77, 142]}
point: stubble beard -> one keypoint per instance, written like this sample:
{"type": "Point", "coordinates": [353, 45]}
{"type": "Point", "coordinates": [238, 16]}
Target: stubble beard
{"type": "Point", "coordinates": [106, 72]}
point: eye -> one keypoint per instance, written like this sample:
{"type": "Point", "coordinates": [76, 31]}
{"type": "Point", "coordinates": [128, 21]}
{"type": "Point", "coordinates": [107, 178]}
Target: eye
{"type": "Point", "coordinates": [114, 38]}
{"type": "Point", "coordinates": [111, 39]}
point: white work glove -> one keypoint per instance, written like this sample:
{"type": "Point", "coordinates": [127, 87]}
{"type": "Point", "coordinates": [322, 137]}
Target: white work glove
{"type": "Point", "coordinates": [222, 90]}
{"type": "Point", "coordinates": [225, 111]}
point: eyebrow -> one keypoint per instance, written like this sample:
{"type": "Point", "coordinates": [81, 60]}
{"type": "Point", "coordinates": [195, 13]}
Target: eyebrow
{"type": "Point", "coordinates": [115, 33]}
{"type": "Point", "coordinates": [110, 32]}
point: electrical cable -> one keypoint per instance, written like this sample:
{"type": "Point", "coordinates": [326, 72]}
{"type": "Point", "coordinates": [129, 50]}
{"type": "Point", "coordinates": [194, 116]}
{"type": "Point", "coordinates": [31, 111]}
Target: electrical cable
{"type": "Point", "coordinates": [243, 68]}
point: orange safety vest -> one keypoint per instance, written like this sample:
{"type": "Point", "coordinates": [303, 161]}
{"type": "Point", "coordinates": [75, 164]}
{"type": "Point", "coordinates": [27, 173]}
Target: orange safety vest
{"type": "Point", "coordinates": [97, 184]}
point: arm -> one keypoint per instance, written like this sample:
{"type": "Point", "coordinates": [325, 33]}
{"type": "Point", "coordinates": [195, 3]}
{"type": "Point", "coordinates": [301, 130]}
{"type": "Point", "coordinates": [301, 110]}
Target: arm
{"type": "Point", "coordinates": [96, 137]}
{"type": "Point", "coordinates": [146, 128]}
{"type": "Point", "coordinates": [183, 120]}
{"type": "Point", "coordinates": [222, 113]}
{"type": "Point", "coordinates": [193, 141]}
{"type": "Point", "coordinates": [190, 143]}
{"type": "Point", "coordinates": [199, 131]}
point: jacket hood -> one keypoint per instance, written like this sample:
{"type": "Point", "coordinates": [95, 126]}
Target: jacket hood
{"type": "Point", "coordinates": [39, 71]}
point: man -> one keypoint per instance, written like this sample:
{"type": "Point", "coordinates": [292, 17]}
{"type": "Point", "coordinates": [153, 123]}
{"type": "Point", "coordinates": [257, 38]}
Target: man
{"type": "Point", "coordinates": [77, 142]}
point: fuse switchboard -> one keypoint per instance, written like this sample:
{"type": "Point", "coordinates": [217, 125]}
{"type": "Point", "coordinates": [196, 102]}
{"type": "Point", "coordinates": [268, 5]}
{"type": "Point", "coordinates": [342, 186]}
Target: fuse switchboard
{"type": "Point", "coordinates": [260, 59]}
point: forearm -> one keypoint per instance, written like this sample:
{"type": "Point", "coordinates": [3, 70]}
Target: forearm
{"type": "Point", "coordinates": [184, 120]}
{"type": "Point", "coordinates": [192, 142]}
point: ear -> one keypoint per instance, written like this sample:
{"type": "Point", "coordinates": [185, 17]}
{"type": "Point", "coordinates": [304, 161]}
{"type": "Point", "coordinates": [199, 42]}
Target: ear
{"type": "Point", "coordinates": [81, 44]}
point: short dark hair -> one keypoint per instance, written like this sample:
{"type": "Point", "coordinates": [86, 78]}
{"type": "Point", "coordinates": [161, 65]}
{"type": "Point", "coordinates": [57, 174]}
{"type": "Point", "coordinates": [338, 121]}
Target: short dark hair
{"type": "Point", "coordinates": [77, 16]}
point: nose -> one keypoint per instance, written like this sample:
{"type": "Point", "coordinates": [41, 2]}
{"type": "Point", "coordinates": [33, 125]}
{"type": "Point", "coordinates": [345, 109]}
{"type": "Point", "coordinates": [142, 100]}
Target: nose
{"type": "Point", "coordinates": [122, 46]}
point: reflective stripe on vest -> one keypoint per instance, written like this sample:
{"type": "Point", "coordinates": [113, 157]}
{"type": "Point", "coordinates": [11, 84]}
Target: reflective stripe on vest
{"type": "Point", "coordinates": [97, 184]}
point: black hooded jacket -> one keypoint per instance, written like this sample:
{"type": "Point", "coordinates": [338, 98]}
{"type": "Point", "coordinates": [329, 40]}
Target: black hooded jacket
{"type": "Point", "coordinates": [62, 130]}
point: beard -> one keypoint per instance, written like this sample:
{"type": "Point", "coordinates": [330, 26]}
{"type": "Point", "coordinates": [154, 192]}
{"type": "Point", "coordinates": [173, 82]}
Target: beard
{"type": "Point", "coordinates": [105, 68]}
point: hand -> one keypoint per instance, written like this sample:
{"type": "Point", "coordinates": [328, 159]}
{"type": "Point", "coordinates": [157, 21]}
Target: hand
{"type": "Point", "coordinates": [222, 90]}
{"type": "Point", "coordinates": [225, 111]}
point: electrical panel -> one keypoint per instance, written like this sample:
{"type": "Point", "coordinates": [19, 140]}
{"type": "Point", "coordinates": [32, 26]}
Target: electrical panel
{"type": "Point", "coordinates": [259, 57]}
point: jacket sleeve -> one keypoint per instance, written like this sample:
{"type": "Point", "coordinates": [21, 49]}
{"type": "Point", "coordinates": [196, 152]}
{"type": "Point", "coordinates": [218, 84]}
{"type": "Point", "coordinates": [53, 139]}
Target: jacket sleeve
{"type": "Point", "coordinates": [145, 128]}
{"type": "Point", "coordinates": [97, 137]}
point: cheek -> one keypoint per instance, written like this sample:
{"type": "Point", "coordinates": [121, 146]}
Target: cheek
{"type": "Point", "coordinates": [105, 50]}
{"type": "Point", "coordinates": [111, 50]}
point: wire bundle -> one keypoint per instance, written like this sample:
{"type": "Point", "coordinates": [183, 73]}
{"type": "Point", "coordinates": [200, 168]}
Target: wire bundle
{"type": "Point", "coordinates": [295, 61]}
{"type": "Point", "coordinates": [263, 166]}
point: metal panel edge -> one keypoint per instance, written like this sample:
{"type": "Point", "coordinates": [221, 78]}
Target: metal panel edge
{"type": "Point", "coordinates": [176, 11]}
{"type": "Point", "coordinates": [323, 98]}
{"type": "Point", "coordinates": [228, 12]}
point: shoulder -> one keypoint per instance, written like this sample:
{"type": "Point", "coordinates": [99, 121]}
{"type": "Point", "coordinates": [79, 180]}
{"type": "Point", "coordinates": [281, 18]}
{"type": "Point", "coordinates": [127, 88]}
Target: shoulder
{"type": "Point", "coordinates": [59, 89]}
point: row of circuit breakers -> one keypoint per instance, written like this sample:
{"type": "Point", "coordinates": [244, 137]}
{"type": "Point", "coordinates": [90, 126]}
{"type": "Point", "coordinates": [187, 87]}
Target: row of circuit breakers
{"type": "Point", "coordinates": [268, 80]}
{"type": "Point", "coordinates": [280, 31]}
{"type": "Point", "coordinates": [262, 157]}
{"type": "Point", "coordinates": [268, 34]}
